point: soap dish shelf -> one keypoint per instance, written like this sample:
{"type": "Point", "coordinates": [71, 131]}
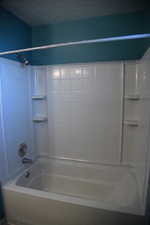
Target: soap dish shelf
{"type": "Point", "coordinates": [38, 97]}
{"type": "Point", "coordinates": [39, 119]}
{"type": "Point", "coordinates": [133, 97]}
{"type": "Point", "coordinates": [132, 123]}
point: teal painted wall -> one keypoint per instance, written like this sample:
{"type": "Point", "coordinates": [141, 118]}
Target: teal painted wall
{"type": "Point", "coordinates": [14, 33]}
{"type": "Point", "coordinates": [106, 26]}
{"type": "Point", "coordinates": [147, 27]}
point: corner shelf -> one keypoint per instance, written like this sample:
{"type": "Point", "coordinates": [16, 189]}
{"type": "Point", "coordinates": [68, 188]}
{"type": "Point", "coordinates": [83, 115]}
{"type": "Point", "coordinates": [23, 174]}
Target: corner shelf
{"type": "Point", "coordinates": [39, 119]}
{"type": "Point", "coordinates": [132, 123]}
{"type": "Point", "coordinates": [134, 97]}
{"type": "Point", "coordinates": [38, 97]}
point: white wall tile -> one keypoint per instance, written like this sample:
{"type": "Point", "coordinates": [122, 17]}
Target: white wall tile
{"type": "Point", "coordinates": [85, 111]}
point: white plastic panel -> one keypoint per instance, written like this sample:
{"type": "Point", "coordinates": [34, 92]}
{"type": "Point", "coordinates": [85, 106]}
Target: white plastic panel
{"type": "Point", "coordinates": [16, 112]}
{"type": "Point", "coordinates": [137, 80]}
{"type": "Point", "coordinates": [85, 111]}
{"type": "Point", "coordinates": [136, 139]}
{"type": "Point", "coordinates": [39, 84]}
{"type": "Point", "coordinates": [144, 68]}
{"type": "Point", "coordinates": [3, 165]}
{"type": "Point", "coordinates": [131, 78]}
{"type": "Point", "coordinates": [39, 108]}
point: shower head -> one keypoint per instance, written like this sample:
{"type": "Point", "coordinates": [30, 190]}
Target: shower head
{"type": "Point", "coordinates": [23, 59]}
{"type": "Point", "coordinates": [26, 62]}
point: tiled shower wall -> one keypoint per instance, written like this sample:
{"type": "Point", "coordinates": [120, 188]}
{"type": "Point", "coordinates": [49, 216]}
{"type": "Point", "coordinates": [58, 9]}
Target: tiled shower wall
{"type": "Point", "coordinates": [84, 111]}
{"type": "Point", "coordinates": [98, 112]}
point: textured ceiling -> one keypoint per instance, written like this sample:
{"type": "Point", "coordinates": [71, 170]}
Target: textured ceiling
{"type": "Point", "coordinates": [39, 12]}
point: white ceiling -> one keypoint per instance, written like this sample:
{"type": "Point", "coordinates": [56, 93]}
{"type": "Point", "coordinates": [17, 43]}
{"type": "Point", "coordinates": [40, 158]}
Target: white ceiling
{"type": "Point", "coordinates": [39, 12]}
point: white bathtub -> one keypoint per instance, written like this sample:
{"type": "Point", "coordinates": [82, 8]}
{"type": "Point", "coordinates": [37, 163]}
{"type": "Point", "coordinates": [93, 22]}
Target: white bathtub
{"type": "Point", "coordinates": [59, 192]}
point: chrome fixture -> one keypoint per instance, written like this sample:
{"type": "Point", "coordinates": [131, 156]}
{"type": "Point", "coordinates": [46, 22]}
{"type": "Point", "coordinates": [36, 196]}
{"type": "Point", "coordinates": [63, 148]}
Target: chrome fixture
{"type": "Point", "coordinates": [22, 151]}
{"type": "Point", "coordinates": [23, 59]}
{"type": "Point", "coordinates": [27, 161]}
{"type": "Point", "coordinates": [27, 174]}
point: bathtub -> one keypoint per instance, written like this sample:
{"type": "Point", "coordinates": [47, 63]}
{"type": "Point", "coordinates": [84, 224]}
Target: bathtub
{"type": "Point", "coordinates": [61, 192]}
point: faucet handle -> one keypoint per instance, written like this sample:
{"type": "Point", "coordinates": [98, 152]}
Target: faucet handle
{"type": "Point", "coordinates": [22, 151]}
{"type": "Point", "coordinates": [27, 160]}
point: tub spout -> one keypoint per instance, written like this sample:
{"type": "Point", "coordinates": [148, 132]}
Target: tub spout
{"type": "Point", "coordinates": [27, 161]}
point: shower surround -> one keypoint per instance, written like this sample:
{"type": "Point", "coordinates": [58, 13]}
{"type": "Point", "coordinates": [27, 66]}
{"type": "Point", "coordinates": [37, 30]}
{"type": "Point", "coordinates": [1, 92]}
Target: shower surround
{"type": "Point", "coordinates": [88, 127]}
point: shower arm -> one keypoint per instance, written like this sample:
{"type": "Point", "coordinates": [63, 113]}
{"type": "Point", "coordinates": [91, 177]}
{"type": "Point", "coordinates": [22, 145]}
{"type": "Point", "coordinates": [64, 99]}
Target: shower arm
{"type": "Point", "coordinates": [92, 41]}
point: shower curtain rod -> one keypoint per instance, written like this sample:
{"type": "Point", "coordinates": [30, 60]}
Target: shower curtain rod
{"type": "Point", "coordinates": [99, 40]}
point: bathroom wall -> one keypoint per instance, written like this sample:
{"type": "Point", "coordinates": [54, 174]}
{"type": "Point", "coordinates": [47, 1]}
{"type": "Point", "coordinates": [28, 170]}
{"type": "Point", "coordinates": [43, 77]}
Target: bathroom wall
{"type": "Point", "coordinates": [137, 81]}
{"type": "Point", "coordinates": [147, 27]}
{"type": "Point", "coordinates": [84, 104]}
{"type": "Point", "coordinates": [77, 96]}
{"type": "Point", "coordinates": [39, 109]}
{"type": "Point", "coordinates": [2, 152]}
{"type": "Point", "coordinates": [106, 26]}
{"type": "Point", "coordinates": [146, 64]}
{"type": "Point", "coordinates": [15, 116]}
{"type": "Point", "coordinates": [14, 33]}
